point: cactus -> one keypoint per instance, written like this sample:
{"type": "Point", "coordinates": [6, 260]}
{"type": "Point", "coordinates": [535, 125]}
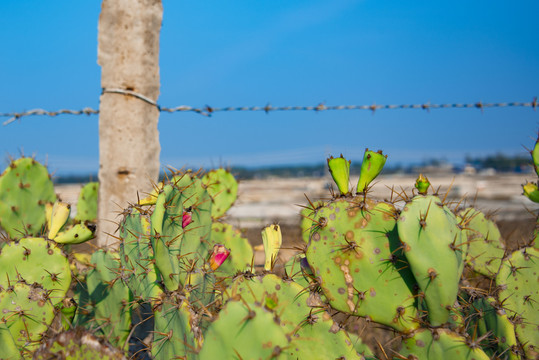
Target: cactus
{"type": "Point", "coordinates": [436, 344]}
{"type": "Point", "coordinates": [36, 260]}
{"type": "Point", "coordinates": [27, 312]}
{"type": "Point", "coordinates": [485, 246]}
{"type": "Point", "coordinates": [492, 328]}
{"type": "Point", "coordinates": [340, 171]}
{"type": "Point", "coordinates": [272, 240]}
{"type": "Point", "coordinates": [241, 252]}
{"type": "Point", "coordinates": [174, 334]}
{"type": "Point", "coordinates": [59, 215]}
{"type": "Point", "coordinates": [76, 234]}
{"type": "Point", "coordinates": [432, 239]}
{"type": "Point", "coordinates": [245, 330]}
{"type": "Point", "coordinates": [87, 203]}
{"type": "Point", "coordinates": [372, 165]}
{"type": "Point", "coordinates": [301, 314]}
{"type": "Point", "coordinates": [25, 188]}
{"type": "Point", "coordinates": [356, 255]}
{"type": "Point", "coordinates": [519, 294]}
{"type": "Point", "coordinates": [110, 298]}
{"type": "Point", "coordinates": [10, 351]}
{"type": "Point", "coordinates": [223, 189]}
{"type": "Point", "coordinates": [136, 256]}
{"type": "Point", "coordinates": [422, 184]}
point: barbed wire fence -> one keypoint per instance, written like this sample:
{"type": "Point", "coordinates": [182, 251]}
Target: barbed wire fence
{"type": "Point", "coordinates": [208, 110]}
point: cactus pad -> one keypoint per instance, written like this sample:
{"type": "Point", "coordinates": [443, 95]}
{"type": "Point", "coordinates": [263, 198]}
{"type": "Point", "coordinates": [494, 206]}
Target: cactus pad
{"type": "Point", "coordinates": [25, 188]}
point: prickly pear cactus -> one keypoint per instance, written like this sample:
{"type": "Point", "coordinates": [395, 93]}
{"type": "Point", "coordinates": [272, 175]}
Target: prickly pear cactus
{"type": "Point", "coordinates": [136, 255]}
{"type": "Point", "coordinates": [245, 330]}
{"type": "Point", "coordinates": [356, 255]}
{"type": "Point", "coordinates": [25, 188]}
{"type": "Point", "coordinates": [9, 347]}
{"type": "Point", "coordinates": [485, 244]}
{"type": "Point", "coordinates": [489, 326]}
{"type": "Point", "coordinates": [301, 313]}
{"type": "Point", "coordinates": [223, 189]}
{"type": "Point", "coordinates": [27, 312]}
{"type": "Point", "coordinates": [241, 252]}
{"type": "Point", "coordinates": [440, 343]}
{"type": "Point", "coordinates": [36, 260]}
{"type": "Point", "coordinates": [340, 172]}
{"type": "Point", "coordinates": [519, 294]}
{"type": "Point", "coordinates": [110, 297]}
{"type": "Point", "coordinates": [432, 239]}
{"type": "Point", "coordinates": [87, 203]}
{"type": "Point", "coordinates": [174, 332]}
{"type": "Point", "coordinates": [307, 218]}
{"type": "Point", "coordinates": [372, 165]}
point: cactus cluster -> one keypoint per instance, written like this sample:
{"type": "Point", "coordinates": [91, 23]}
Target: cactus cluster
{"type": "Point", "coordinates": [183, 283]}
{"type": "Point", "coordinates": [405, 268]}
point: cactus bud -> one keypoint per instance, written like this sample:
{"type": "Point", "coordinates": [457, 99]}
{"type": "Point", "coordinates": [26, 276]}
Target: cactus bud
{"type": "Point", "coordinates": [272, 240]}
{"type": "Point", "coordinates": [187, 218]}
{"type": "Point", "coordinates": [531, 191]}
{"type": "Point", "coordinates": [218, 256]}
{"type": "Point", "coordinates": [340, 171]}
{"type": "Point", "coordinates": [372, 165]}
{"type": "Point", "coordinates": [422, 184]}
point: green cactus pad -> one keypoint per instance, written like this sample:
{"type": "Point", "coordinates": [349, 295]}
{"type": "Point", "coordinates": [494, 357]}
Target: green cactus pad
{"type": "Point", "coordinates": [241, 252]}
{"type": "Point", "coordinates": [193, 190]}
{"type": "Point", "coordinates": [489, 323]}
{"type": "Point", "coordinates": [244, 331]}
{"type": "Point", "coordinates": [300, 314]}
{"type": "Point", "coordinates": [518, 280]}
{"type": "Point", "coordinates": [174, 335]}
{"type": "Point", "coordinates": [136, 255]}
{"type": "Point", "coordinates": [340, 172]}
{"type": "Point", "coordinates": [223, 189]}
{"type": "Point", "coordinates": [356, 255]}
{"type": "Point", "coordinates": [110, 297]}
{"type": "Point", "coordinates": [10, 351]}
{"type": "Point", "coordinates": [432, 239]}
{"type": "Point", "coordinates": [485, 245]}
{"type": "Point", "coordinates": [36, 260]}
{"type": "Point", "coordinates": [76, 234]}
{"type": "Point", "coordinates": [166, 234]}
{"type": "Point", "coordinates": [87, 203]}
{"type": "Point", "coordinates": [307, 219]}
{"type": "Point", "coordinates": [27, 312]}
{"type": "Point", "coordinates": [442, 344]}
{"type": "Point", "coordinates": [25, 188]}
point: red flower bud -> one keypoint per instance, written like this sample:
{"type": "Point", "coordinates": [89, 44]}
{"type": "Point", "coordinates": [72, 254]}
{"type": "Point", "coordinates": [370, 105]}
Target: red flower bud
{"type": "Point", "coordinates": [186, 219]}
{"type": "Point", "coordinates": [219, 255]}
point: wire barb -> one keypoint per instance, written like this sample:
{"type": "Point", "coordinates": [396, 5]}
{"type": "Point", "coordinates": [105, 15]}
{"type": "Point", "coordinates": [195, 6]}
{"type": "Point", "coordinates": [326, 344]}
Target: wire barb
{"type": "Point", "coordinates": [208, 110]}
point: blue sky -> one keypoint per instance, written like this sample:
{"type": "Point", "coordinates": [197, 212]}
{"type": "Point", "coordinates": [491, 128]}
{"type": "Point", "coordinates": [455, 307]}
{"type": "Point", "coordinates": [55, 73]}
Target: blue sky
{"type": "Point", "coordinates": [304, 52]}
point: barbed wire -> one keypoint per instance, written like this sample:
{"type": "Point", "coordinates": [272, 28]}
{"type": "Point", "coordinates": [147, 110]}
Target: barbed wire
{"type": "Point", "coordinates": [208, 110]}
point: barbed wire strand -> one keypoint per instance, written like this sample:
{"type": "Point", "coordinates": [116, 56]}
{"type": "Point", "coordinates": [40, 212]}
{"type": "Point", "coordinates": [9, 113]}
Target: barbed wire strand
{"type": "Point", "coordinates": [208, 110]}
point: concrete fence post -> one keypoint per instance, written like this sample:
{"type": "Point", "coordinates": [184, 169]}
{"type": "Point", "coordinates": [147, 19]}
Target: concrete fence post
{"type": "Point", "coordinates": [128, 53]}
